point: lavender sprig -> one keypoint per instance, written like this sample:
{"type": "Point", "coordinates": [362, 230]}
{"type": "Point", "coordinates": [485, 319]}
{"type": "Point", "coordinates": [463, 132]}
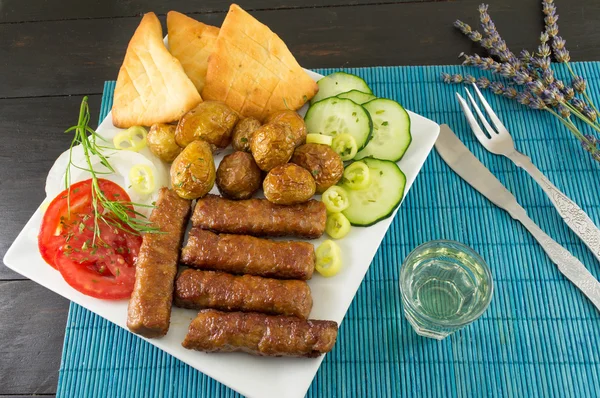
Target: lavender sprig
{"type": "Point", "coordinates": [532, 73]}
{"type": "Point", "coordinates": [561, 54]}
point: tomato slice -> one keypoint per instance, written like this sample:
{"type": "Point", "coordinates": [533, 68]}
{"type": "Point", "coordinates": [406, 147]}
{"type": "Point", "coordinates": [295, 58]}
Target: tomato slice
{"type": "Point", "coordinates": [53, 235]}
{"type": "Point", "coordinates": [86, 278]}
{"type": "Point", "coordinates": [97, 260]}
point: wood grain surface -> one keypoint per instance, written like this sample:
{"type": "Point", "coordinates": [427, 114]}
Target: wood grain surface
{"type": "Point", "coordinates": [53, 52]}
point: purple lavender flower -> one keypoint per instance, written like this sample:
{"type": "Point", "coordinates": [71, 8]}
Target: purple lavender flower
{"type": "Point", "coordinates": [548, 77]}
{"type": "Point", "coordinates": [466, 29]}
{"type": "Point", "coordinates": [564, 111]}
{"type": "Point", "coordinates": [562, 55]}
{"type": "Point", "coordinates": [483, 82]}
{"type": "Point", "coordinates": [559, 43]}
{"type": "Point", "coordinates": [544, 50]}
{"type": "Point", "coordinates": [497, 88]}
{"type": "Point", "coordinates": [482, 63]}
{"type": "Point", "coordinates": [552, 97]}
{"type": "Point", "coordinates": [510, 92]}
{"type": "Point", "coordinates": [494, 44]}
{"type": "Point", "coordinates": [579, 84]}
{"type": "Point", "coordinates": [592, 140]}
{"type": "Point", "coordinates": [592, 145]}
{"type": "Point", "coordinates": [559, 85]}
{"type": "Point", "coordinates": [507, 70]}
{"type": "Point", "coordinates": [536, 87]}
{"type": "Point", "coordinates": [522, 78]}
{"type": "Point", "coordinates": [525, 57]}
{"type": "Point", "coordinates": [569, 93]}
{"type": "Point", "coordinates": [537, 103]}
{"type": "Point", "coordinates": [578, 104]}
{"type": "Point", "coordinates": [458, 78]}
{"type": "Point", "coordinates": [590, 113]}
{"type": "Point", "coordinates": [548, 7]}
{"type": "Point", "coordinates": [524, 97]}
{"type": "Point", "coordinates": [541, 62]}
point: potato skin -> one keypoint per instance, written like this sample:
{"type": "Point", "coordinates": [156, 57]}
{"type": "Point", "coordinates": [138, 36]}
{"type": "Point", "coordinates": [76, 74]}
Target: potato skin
{"type": "Point", "coordinates": [322, 162]}
{"type": "Point", "coordinates": [243, 132]}
{"type": "Point", "coordinates": [272, 145]}
{"type": "Point", "coordinates": [288, 184]}
{"type": "Point", "coordinates": [238, 176]}
{"type": "Point", "coordinates": [193, 171]}
{"type": "Point", "coordinates": [294, 120]}
{"type": "Point", "coordinates": [161, 141]}
{"type": "Point", "coordinates": [211, 121]}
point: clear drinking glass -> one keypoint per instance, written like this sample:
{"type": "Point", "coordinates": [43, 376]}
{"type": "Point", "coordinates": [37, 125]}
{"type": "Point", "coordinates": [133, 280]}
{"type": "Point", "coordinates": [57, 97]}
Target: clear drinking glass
{"type": "Point", "coordinates": [445, 286]}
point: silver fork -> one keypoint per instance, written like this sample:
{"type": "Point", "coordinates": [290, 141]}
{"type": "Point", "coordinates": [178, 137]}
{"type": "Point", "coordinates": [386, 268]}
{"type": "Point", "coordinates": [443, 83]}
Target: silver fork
{"type": "Point", "coordinates": [500, 142]}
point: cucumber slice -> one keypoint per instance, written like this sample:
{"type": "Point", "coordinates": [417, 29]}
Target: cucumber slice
{"type": "Point", "coordinates": [357, 96]}
{"type": "Point", "coordinates": [334, 116]}
{"type": "Point", "coordinates": [378, 200]}
{"type": "Point", "coordinates": [337, 83]}
{"type": "Point", "coordinates": [391, 131]}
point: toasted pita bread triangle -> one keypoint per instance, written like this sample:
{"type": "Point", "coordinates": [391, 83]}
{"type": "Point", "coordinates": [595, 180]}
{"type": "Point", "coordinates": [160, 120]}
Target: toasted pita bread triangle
{"type": "Point", "coordinates": [152, 87]}
{"type": "Point", "coordinates": [252, 70]}
{"type": "Point", "coordinates": [191, 42]}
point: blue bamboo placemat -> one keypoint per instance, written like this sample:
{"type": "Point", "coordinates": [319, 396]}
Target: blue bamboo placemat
{"type": "Point", "coordinates": [540, 336]}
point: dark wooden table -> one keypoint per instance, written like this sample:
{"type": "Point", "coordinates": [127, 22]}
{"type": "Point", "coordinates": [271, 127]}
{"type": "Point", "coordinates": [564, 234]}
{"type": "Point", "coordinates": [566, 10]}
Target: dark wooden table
{"type": "Point", "coordinates": [53, 52]}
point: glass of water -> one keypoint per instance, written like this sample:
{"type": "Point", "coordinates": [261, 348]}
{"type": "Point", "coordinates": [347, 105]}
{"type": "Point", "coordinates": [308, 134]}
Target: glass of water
{"type": "Point", "coordinates": [445, 286]}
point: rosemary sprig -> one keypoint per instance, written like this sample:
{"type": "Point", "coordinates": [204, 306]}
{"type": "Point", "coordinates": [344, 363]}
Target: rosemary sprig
{"type": "Point", "coordinates": [117, 214]}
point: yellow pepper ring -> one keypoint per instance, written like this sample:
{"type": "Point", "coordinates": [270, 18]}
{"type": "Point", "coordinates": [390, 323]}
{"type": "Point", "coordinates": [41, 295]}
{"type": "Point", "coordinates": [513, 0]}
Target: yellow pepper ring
{"type": "Point", "coordinates": [335, 199]}
{"type": "Point", "coordinates": [357, 176]}
{"type": "Point", "coordinates": [132, 139]}
{"type": "Point", "coordinates": [329, 259]}
{"type": "Point", "coordinates": [345, 146]}
{"type": "Point", "coordinates": [141, 179]}
{"type": "Point", "coordinates": [319, 139]}
{"type": "Point", "coordinates": [337, 225]}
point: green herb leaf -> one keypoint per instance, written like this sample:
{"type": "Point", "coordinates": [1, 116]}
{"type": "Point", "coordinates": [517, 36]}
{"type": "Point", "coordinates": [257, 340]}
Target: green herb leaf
{"type": "Point", "coordinates": [119, 214]}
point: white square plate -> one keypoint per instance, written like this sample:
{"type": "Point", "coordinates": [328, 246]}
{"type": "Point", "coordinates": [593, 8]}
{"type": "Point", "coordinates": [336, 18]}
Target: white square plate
{"type": "Point", "coordinates": [249, 375]}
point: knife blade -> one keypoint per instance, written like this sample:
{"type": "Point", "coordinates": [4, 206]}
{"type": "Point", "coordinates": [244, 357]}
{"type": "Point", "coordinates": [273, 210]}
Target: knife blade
{"type": "Point", "coordinates": [470, 169]}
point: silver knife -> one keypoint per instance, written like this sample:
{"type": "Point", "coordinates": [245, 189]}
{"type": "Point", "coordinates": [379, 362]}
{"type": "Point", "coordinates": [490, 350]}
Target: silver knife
{"type": "Point", "coordinates": [470, 169]}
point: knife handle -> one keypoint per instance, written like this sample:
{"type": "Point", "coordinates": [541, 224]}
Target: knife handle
{"type": "Point", "coordinates": [573, 216]}
{"type": "Point", "coordinates": [567, 264]}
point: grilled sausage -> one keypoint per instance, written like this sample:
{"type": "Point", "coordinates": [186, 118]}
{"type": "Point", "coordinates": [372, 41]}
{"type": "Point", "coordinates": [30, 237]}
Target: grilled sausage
{"type": "Point", "coordinates": [149, 309]}
{"type": "Point", "coordinates": [259, 217]}
{"type": "Point", "coordinates": [218, 290]}
{"type": "Point", "coordinates": [243, 254]}
{"type": "Point", "coordinates": [259, 334]}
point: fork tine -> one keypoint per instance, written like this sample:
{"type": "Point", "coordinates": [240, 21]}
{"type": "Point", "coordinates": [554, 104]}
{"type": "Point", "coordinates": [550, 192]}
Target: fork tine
{"type": "Point", "coordinates": [472, 121]}
{"type": "Point", "coordinates": [493, 117]}
{"type": "Point", "coordinates": [487, 126]}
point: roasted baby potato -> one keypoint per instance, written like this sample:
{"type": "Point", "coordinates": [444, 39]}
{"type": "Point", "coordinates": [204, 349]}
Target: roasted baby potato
{"type": "Point", "coordinates": [238, 176]}
{"type": "Point", "coordinates": [322, 162]}
{"type": "Point", "coordinates": [272, 145]}
{"type": "Point", "coordinates": [212, 121]}
{"type": "Point", "coordinates": [242, 133]}
{"type": "Point", "coordinates": [288, 184]}
{"type": "Point", "coordinates": [294, 120]}
{"type": "Point", "coordinates": [161, 141]}
{"type": "Point", "coordinates": [193, 171]}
